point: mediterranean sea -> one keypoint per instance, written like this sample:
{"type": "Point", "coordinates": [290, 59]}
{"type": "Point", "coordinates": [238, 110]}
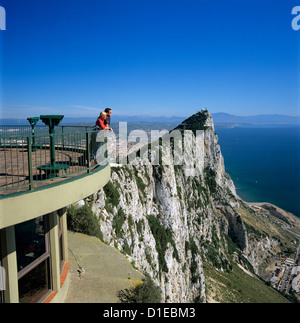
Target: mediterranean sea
{"type": "Point", "coordinates": [264, 163]}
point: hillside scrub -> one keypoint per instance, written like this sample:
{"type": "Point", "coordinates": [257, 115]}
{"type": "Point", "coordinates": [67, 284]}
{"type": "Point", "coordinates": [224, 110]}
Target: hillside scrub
{"type": "Point", "coordinates": [83, 220]}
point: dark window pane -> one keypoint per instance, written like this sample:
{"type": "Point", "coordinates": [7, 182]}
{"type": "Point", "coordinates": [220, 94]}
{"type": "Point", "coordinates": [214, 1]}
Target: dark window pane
{"type": "Point", "coordinates": [60, 238]}
{"type": "Point", "coordinates": [30, 241]}
{"type": "Point", "coordinates": [61, 252]}
{"type": "Point", "coordinates": [35, 284]}
{"type": "Point", "coordinates": [59, 223]}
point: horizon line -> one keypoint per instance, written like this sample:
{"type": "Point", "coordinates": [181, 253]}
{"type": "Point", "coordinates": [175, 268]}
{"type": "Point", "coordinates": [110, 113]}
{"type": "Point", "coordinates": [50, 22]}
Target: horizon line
{"type": "Point", "coordinates": [173, 116]}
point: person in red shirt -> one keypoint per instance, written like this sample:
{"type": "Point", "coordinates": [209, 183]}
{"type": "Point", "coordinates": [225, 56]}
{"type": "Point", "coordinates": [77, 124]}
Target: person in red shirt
{"type": "Point", "coordinates": [101, 122]}
{"type": "Point", "coordinates": [95, 146]}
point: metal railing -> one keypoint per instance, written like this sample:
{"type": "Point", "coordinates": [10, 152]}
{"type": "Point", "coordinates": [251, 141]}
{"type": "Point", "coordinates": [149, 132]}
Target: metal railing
{"type": "Point", "coordinates": [28, 162]}
{"type": "Point", "coordinates": [26, 130]}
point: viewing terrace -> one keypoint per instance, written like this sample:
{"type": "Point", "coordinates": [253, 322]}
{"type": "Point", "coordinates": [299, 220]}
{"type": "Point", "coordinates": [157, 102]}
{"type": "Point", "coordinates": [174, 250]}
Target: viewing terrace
{"type": "Point", "coordinates": [44, 170]}
{"type": "Point", "coordinates": [34, 156]}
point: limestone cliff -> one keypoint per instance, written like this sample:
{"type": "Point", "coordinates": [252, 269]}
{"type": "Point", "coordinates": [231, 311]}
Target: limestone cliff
{"type": "Point", "coordinates": [168, 222]}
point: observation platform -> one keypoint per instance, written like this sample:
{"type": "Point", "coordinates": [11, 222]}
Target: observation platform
{"type": "Point", "coordinates": [55, 157]}
{"type": "Point", "coordinates": [15, 171]}
{"type": "Point", "coordinates": [28, 185]}
{"type": "Point", "coordinates": [43, 171]}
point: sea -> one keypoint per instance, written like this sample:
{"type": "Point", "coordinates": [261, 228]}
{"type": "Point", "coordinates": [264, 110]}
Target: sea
{"type": "Point", "coordinates": [264, 163]}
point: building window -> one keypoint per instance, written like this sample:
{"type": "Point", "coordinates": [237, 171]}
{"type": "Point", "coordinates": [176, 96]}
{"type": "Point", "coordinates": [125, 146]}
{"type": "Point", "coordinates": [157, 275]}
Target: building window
{"type": "Point", "coordinates": [35, 284]}
{"type": "Point", "coordinates": [33, 259]}
{"type": "Point", "coordinates": [60, 238]}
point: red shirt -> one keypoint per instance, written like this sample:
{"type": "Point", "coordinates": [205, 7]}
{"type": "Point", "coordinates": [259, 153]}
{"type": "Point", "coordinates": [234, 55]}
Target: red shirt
{"type": "Point", "coordinates": [100, 123]}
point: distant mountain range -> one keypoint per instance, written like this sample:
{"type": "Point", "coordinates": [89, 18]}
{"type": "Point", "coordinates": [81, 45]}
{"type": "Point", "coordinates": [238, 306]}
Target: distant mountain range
{"type": "Point", "coordinates": [220, 120]}
{"type": "Point", "coordinates": [263, 119]}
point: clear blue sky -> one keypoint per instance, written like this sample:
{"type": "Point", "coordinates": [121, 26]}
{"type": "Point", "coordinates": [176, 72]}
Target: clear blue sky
{"type": "Point", "coordinates": [162, 57]}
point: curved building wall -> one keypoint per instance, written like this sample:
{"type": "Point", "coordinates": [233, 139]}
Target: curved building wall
{"type": "Point", "coordinates": [33, 243]}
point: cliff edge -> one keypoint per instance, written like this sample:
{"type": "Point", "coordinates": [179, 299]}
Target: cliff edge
{"type": "Point", "coordinates": [184, 228]}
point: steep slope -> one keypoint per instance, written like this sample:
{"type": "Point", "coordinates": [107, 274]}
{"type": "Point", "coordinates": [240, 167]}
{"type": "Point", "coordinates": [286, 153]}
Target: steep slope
{"type": "Point", "coordinates": [168, 219]}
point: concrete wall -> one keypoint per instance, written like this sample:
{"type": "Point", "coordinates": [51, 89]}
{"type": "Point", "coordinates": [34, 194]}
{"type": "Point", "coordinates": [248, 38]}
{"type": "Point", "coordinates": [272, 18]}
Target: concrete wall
{"type": "Point", "coordinates": [26, 206]}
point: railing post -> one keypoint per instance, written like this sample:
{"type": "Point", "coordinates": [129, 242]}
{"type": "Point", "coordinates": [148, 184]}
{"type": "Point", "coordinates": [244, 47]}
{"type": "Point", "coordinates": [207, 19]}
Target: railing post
{"type": "Point", "coordinates": [30, 170]}
{"type": "Point", "coordinates": [63, 137]}
{"type": "Point", "coordinates": [88, 151]}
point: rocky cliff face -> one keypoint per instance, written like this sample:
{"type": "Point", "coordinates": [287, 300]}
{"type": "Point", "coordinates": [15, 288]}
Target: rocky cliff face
{"type": "Point", "coordinates": [168, 222]}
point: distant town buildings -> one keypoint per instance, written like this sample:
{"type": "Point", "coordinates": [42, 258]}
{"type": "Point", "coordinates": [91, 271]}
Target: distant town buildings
{"type": "Point", "coordinates": [286, 276]}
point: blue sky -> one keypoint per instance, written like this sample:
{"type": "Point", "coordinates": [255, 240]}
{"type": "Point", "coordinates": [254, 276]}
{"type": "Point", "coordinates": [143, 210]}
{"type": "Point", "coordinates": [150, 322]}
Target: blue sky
{"type": "Point", "coordinates": [158, 57]}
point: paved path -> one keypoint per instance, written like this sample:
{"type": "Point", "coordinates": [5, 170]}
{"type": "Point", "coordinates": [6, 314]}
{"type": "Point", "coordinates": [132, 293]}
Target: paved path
{"type": "Point", "coordinates": [105, 271]}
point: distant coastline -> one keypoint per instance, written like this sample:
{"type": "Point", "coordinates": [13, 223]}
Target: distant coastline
{"type": "Point", "coordinates": [221, 120]}
{"type": "Point", "coordinates": [287, 219]}
{"type": "Point", "coordinates": [264, 163]}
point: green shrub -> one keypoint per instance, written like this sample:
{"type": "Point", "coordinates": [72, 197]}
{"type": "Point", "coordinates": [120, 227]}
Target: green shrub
{"type": "Point", "coordinates": [194, 266]}
{"type": "Point", "coordinates": [162, 237]}
{"type": "Point", "coordinates": [210, 178]}
{"type": "Point", "coordinates": [83, 220]}
{"type": "Point", "coordinates": [112, 194]}
{"type": "Point", "coordinates": [145, 292]}
{"type": "Point", "coordinates": [118, 222]}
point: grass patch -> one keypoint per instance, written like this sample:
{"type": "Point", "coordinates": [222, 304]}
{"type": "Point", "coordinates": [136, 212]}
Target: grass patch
{"type": "Point", "coordinates": [237, 287]}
